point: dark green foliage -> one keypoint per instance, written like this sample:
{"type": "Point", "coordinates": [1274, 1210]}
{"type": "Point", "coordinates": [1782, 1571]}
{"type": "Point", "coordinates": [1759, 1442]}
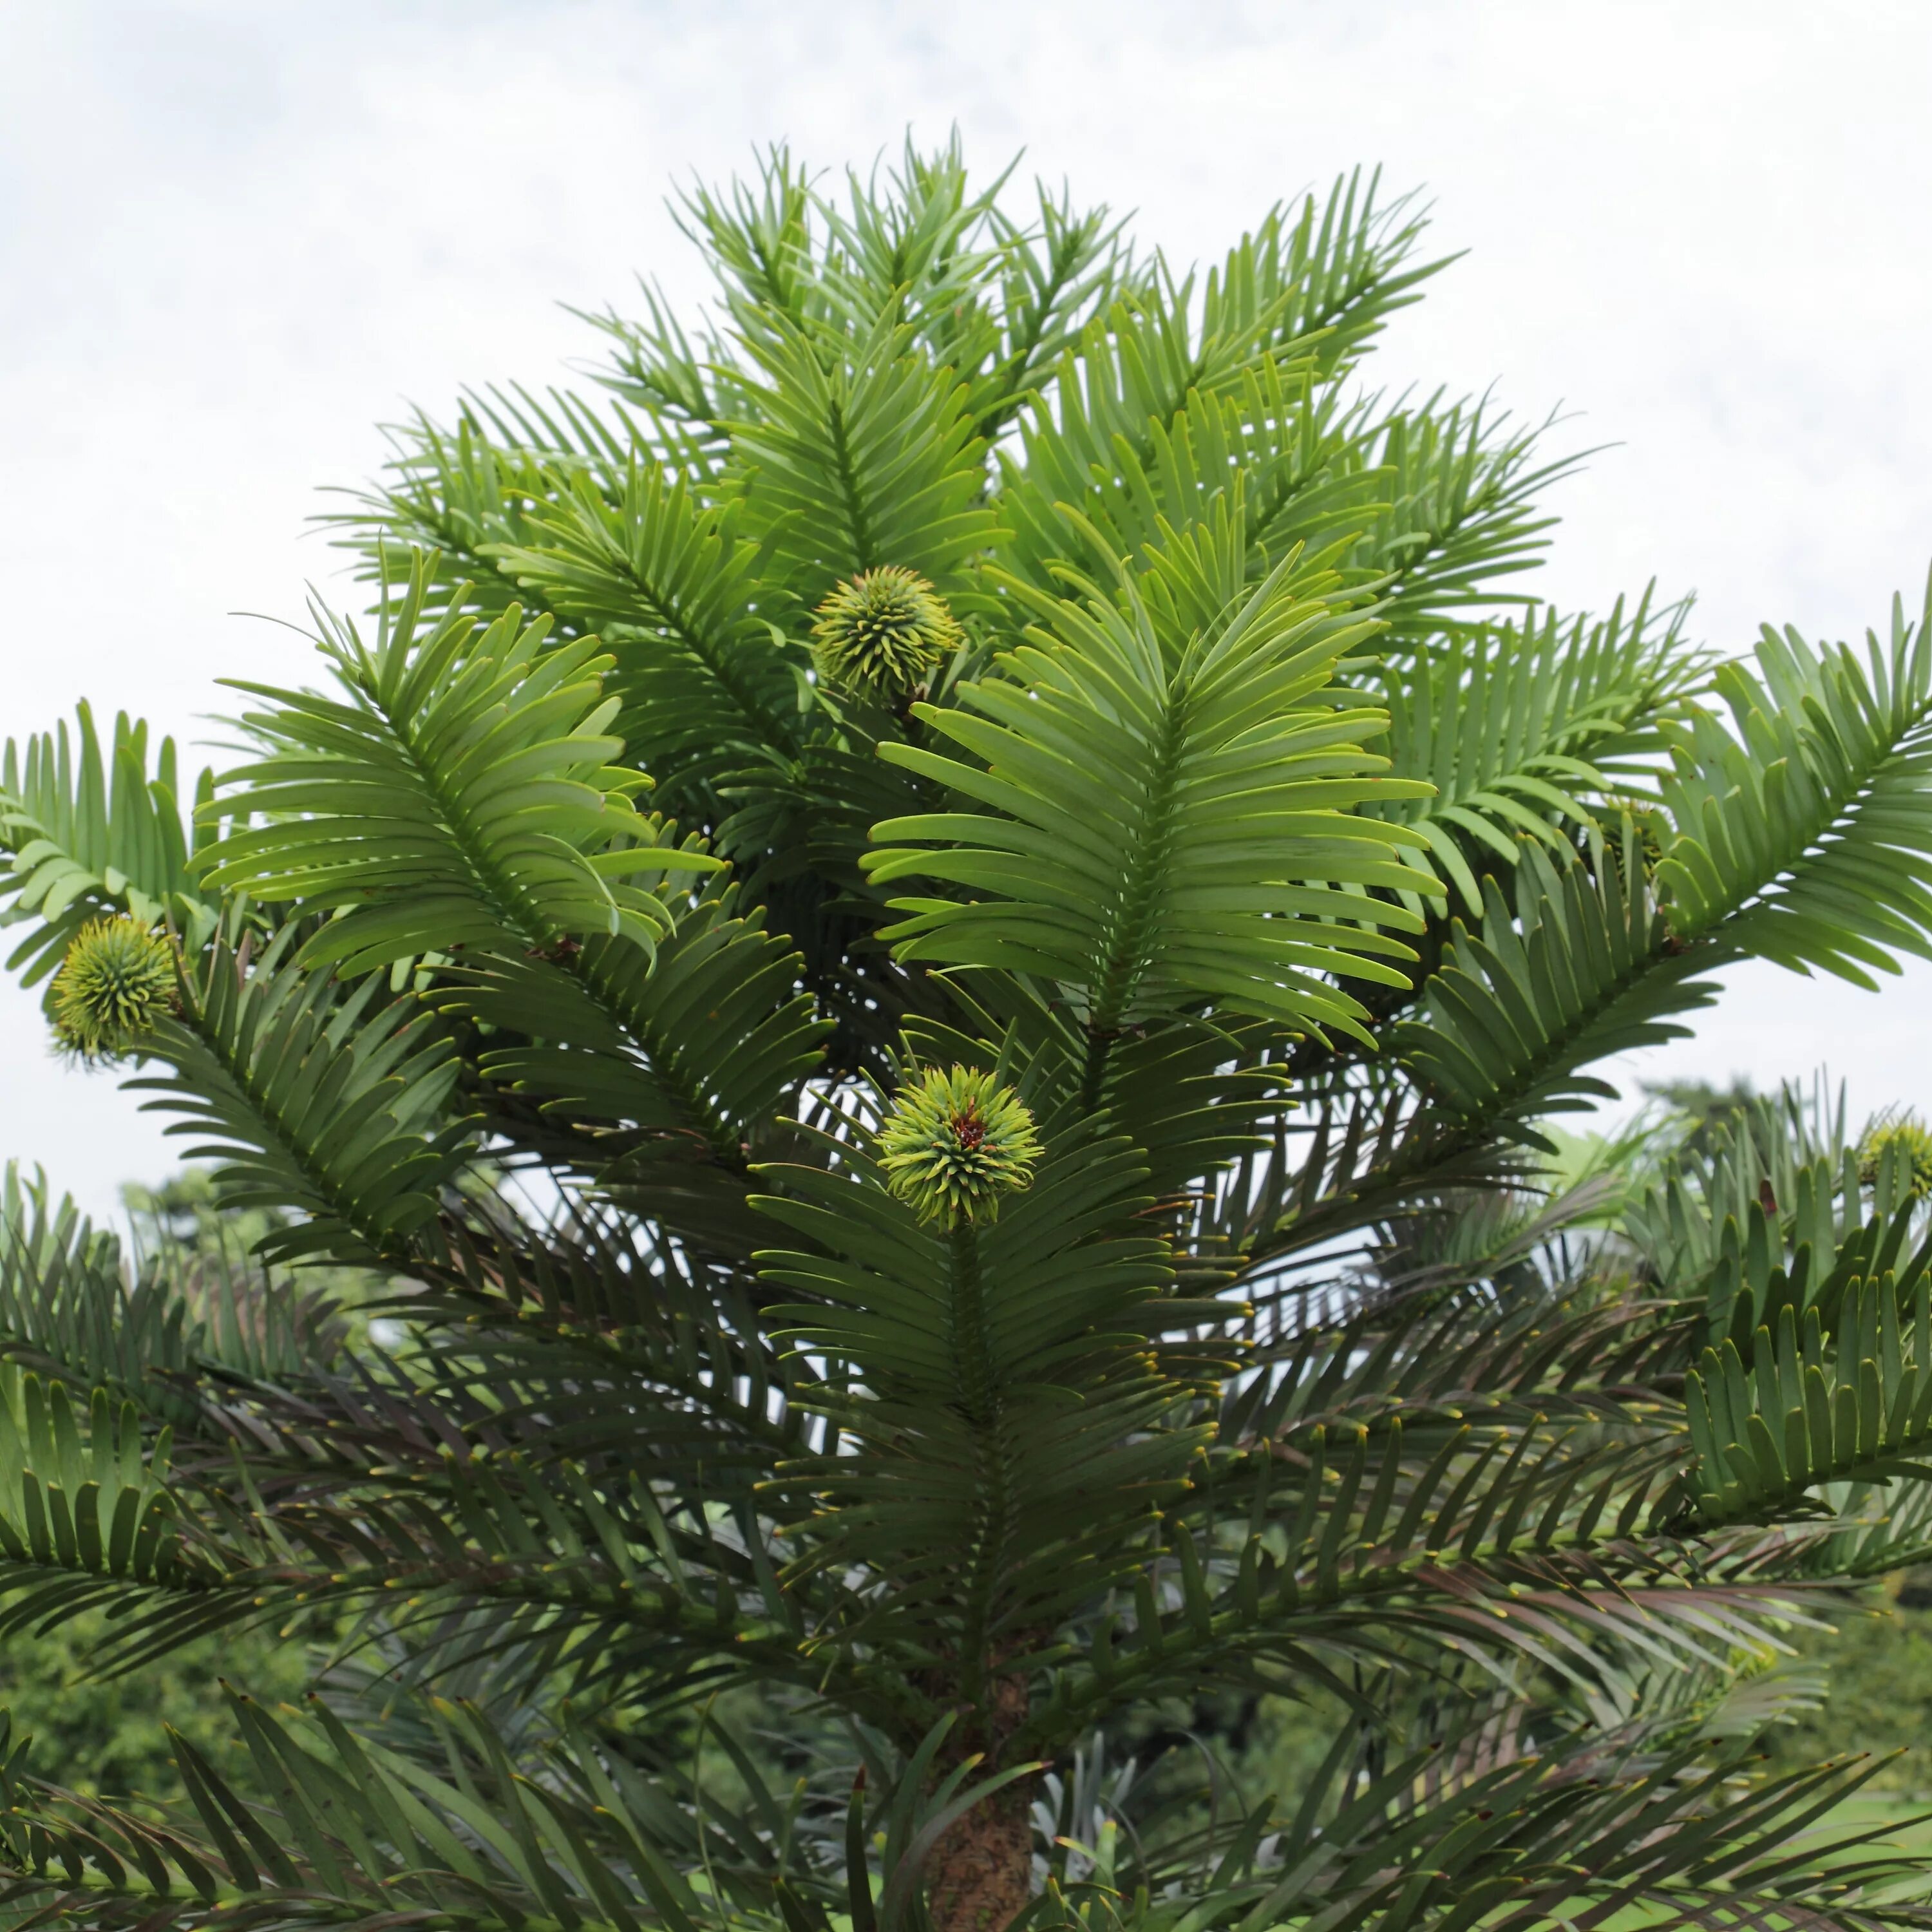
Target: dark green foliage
{"type": "Point", "coordinates": [612, 1007]}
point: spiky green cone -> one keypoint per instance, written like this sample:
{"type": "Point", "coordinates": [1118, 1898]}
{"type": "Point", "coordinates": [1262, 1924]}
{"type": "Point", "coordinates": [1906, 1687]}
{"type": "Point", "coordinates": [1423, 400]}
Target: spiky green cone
{"type": "Point", "coordinates": [1907, 1139]}
{"type": "Point", "coordinates": [955, 1144]}
{"type": "Point", "coordinates": [116, 982]}
{"type": "Point", "coordinates": [883, 631]}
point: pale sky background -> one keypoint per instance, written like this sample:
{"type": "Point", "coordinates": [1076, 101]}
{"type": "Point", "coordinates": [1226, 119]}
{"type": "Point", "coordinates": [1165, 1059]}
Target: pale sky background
{"type": "Point", "coordinates": [234, 236]}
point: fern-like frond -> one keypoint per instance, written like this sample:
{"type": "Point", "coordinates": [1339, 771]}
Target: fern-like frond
{"type": "Point", "coordinates": [1271, 434]}
{"type": "Point", "coordinates": [88, 1516]}
{"type": "Point", "coordinates": [459, 795]}
{"type": "Point", "coordinates": [90, 833]}
{"type": "Point", "coordinates": [680, 1055]}
{"type": "Point", "coordinates": [860, 453]}
{"type": "Point", "coordinates": [672, 589]}
{"type": "Point", "coordinates": [1803, 831]}
{"type": "Point", "coordinates": [452, 496]}
{"type": "Point", "coordinates": [1461, 491]}
{"type": "Point", "coordinates": [1581, 968]}
{"type": "Point", "coordinates": [1521, 731]}
{"type": "Point", "coordinates": [966, 1358]}
{"type": "Point", "coordinates": [1806, 1404]}
{"type": "Point", "coordinates": [354, 1834]}
{"type": "Point", "coordinates": [1168, 817]}
{"type": "Point", "coordinates": [310, 1097]}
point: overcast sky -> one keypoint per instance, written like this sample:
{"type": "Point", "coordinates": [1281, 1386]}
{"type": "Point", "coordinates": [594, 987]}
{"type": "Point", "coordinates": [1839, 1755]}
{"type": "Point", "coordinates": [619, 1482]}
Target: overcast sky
{"type": "Point", "coordinates": [235, 236]}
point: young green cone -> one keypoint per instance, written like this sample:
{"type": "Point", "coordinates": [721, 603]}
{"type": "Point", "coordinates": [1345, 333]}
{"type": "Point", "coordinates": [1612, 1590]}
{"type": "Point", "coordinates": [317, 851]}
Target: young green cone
{"type": "Point", "coordinates": [955, 1143]}
{"type": "Point", "coordinates": [117, 981]}
{"type": "Point", "coordinates": [1906, 1138]}
{"type": "Point", "coordinates": [883, 631]}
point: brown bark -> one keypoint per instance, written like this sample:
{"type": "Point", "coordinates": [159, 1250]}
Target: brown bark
{"type": "Point", "coordinates": [980, 1875]}
{"type": "Point", "coordinates": [982, 1871]}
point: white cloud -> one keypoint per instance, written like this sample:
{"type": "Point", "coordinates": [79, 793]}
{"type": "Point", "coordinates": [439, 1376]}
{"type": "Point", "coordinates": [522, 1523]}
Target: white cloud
{"type": "Point", "coordinates": [233, 236]}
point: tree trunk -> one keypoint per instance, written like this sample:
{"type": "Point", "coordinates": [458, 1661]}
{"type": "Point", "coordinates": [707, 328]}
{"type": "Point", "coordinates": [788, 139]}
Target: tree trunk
{"type": "Point", "coordinates": [980, 1875]}
{"type": "Point", "coordinates": [982, 1871]}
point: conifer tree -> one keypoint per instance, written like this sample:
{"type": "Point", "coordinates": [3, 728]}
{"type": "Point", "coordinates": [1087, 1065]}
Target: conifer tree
{"type": "Point", "coordinates": [928, 945]}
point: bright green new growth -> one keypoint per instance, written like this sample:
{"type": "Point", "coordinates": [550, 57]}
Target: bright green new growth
{"type": "Point", "coordinates": [734, 1524]}
{"type": "Point", "coordinates": [1903, 1139]}
{"type": "Point", "coordinates": [883, 631]}
{"type": "Point", "coordinates": [115, 984]}
{"type": "Point", "coordinates": [954, 1142]}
